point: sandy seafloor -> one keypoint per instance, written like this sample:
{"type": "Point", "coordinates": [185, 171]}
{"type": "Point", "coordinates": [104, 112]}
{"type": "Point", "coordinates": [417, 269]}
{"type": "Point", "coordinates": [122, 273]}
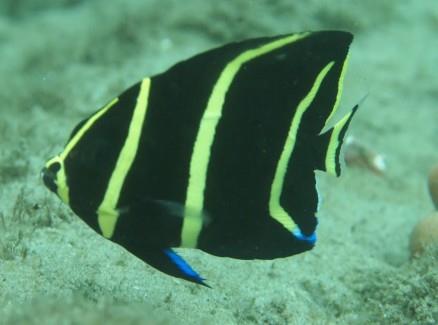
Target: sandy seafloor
{"type": "Point", "coordinates": [62, 59]}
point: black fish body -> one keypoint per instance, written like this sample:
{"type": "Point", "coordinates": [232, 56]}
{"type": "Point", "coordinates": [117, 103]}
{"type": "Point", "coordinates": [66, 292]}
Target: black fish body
{"type": "Point", "coordinates": [217, 153]}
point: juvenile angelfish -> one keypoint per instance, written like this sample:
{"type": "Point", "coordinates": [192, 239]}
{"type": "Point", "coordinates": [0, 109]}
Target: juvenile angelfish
{"type": "Point", "coordinates": [217, 153]}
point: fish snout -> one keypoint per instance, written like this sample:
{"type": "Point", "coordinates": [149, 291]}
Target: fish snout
{"type": "Point", "coordinates": [49, 176]}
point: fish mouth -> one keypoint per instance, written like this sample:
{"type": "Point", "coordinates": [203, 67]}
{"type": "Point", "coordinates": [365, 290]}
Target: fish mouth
{"type": "Point", "coordinates": [48, 175]}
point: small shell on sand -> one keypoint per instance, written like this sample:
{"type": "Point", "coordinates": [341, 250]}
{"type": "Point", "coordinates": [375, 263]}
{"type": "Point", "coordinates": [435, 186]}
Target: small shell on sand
{"type": "Point", "coordinates": [433, 185]}
{"type": "Point", "coordinates": [358, 154]}
{"type": "Point", "coordinates": [424, 234]}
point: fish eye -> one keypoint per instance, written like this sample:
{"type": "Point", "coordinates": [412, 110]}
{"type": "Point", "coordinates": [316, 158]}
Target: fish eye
{"type": "Point", "coordinates": [49, 174]}
{"type": "Point", "coordinates": [55, 167]}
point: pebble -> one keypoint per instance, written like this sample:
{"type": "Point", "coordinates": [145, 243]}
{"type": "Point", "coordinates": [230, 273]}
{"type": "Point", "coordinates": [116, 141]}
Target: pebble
{"type": "Point", "coordinates": [424, 234]}
{"type": "Point", "coordinates": [433, 185]}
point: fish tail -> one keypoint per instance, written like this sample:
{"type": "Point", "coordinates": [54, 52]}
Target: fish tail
{"type": "Point", "coordinates": [329, 143]}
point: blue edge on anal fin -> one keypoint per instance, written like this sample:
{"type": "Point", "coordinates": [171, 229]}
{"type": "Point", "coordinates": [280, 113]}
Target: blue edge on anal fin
{"type": "Point", "coordinates": [187, 272]}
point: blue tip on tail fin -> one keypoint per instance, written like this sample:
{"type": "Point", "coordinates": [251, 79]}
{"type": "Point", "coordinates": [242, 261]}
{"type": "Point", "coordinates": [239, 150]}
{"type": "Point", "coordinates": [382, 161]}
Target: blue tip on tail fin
{"type": "Point", "coordinates": [311, 239]}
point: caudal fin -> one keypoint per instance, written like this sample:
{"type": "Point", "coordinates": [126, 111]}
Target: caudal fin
{"type": "Point", "coordinates": [329, 145]}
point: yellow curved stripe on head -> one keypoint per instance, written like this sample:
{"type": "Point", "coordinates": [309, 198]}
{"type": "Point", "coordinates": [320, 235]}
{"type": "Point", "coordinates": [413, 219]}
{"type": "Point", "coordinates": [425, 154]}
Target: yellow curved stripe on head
{"type": "Point", "coordinates": [330, 157]}
{"type": "Point", "coordinates": [85, 128]}
{"type": "Point", "coordinates": [61, 178]}
{"type": "Point", "coordinates": [340, 88]}
{"type": "Point", "coordinates": [107, 214]}
{"type": "Point", "coordinates": [275, 209]}
{"type": "Point", "coordinates": [192, 223]}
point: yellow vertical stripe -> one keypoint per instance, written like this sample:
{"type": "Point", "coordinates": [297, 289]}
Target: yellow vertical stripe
{"type": "Point", "coordinates": [107, 212]}
{"type": "Point", "coordinates": [330, 157]}
{"type": "Point", "coordinates": [192, 223]}
{"type": "Point", "coordinates": [61, 179]}
{"type": "Point", "coordinates": [340, 88]}
{"type": "Point", "coordinates": [276, 210]}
